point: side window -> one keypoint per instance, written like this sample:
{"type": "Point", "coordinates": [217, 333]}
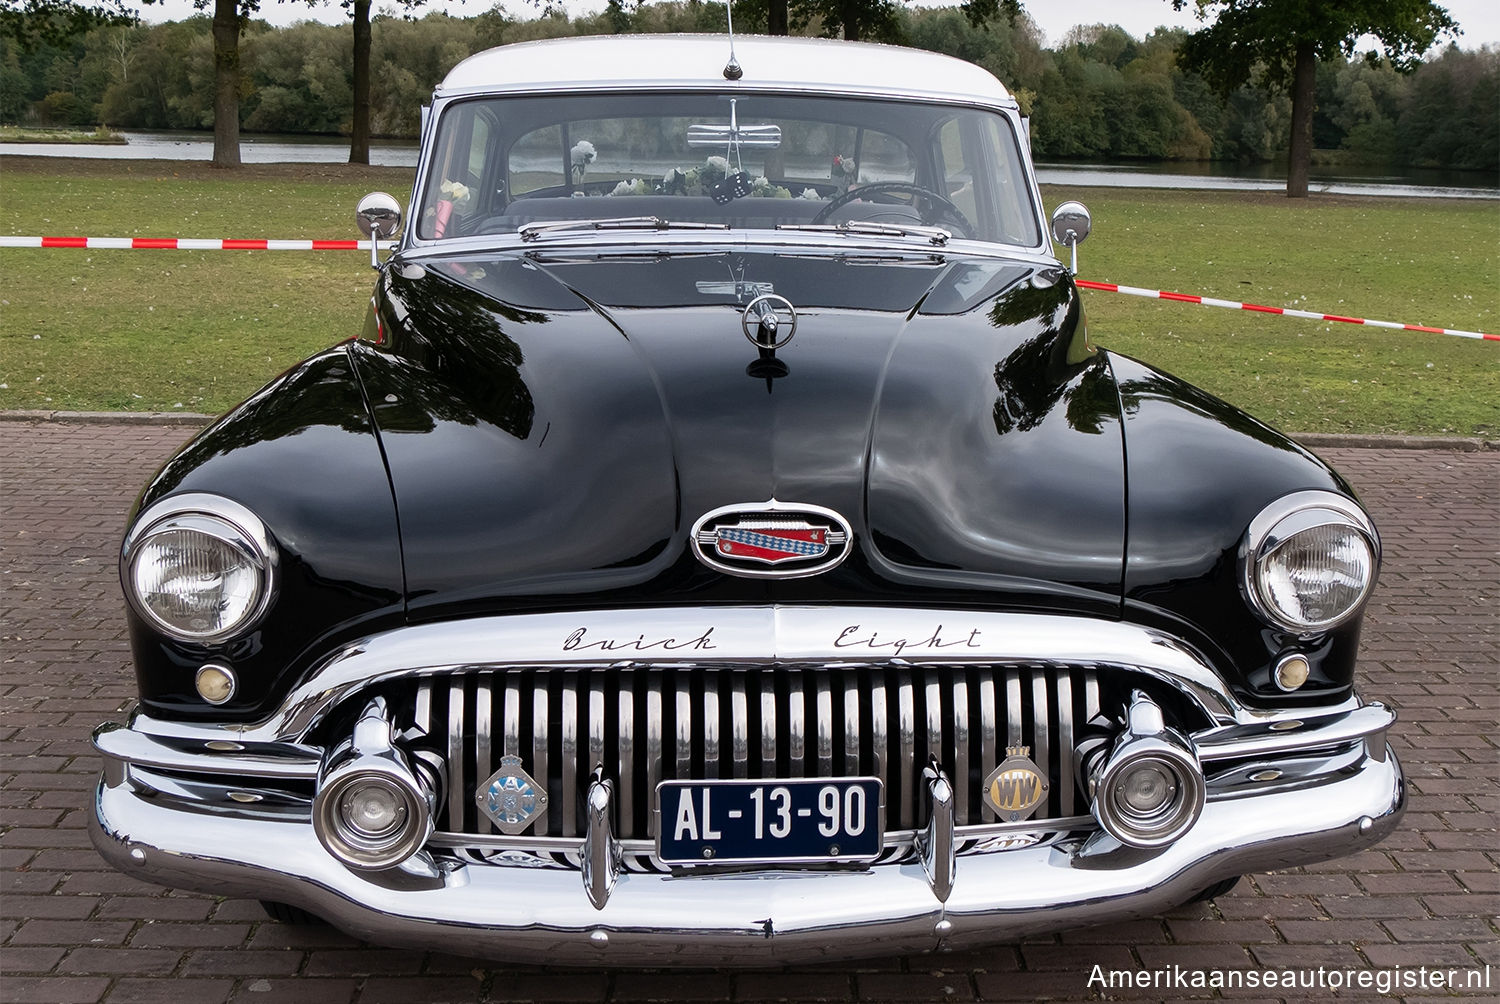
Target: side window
{"type": "Point", "coordinates": [463, 158]}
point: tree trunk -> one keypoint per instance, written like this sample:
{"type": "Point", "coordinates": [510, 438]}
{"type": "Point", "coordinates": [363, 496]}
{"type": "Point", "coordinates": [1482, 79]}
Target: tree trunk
{"type": "Point", "coordinates": [849, 14]}
{"type": "Point", "coordinates": [776, 18]}
{"type": "Point", "coordinates": [1299, 160]}
{"type": "Point", "coordinates": [226, 83]}
{"type": "Point", "coordinates": [359, 130]}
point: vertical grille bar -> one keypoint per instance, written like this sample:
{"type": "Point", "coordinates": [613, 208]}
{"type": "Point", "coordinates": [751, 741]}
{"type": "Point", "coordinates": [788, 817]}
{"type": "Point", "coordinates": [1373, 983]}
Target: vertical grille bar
{"type": "Point", "coordinates": [823, 709]}
{"type": "Point", "coordinates": [710, 726]}
{"type": "Point", "coordinates": [540, 709]}
{"type": "Point", "coordinates": [625, 781]}
{"type": "Point", "coordinates": [483, 727]}
{"type": "Point", "coordinates": [653, 743]}
{"type": "Point", "coordinates": [684, 729]}
{"type": "Point", "coordinates": [796, 726]}
{"type": "Point", "coordinates": [511, 744]}
{"type": "Point", "coordinates": [1065, 744]}
{"type": "Point", "coordinates": [879, 731]}
{"type": "Point", "coordinates": [989, 746]}
{"type": "Point", "coordinates": [933, 700]}
{"type": "Point", "coordinates": [1013, 736]}
{"type": "Point", "coordinates": [906, 734]}
{"type": "Point", "coordinates": [739, 721]}
{"type": "Point", "coordinates": [961, 744]}
{"type": "Point", "coordinates": [597, 721]}
{"type": "Point", "coordinates": [767, 685]}
{"type": "Point", "coordinates": [852, 730]}
{"type": "Point", "coordinates": [458, 795]}
{"type": "Point", "coordinates": [568, 755]}
{"type": "Point", "coordinates": [421, 713]}
{"type": "Point", "coordinates": [1040, 749]}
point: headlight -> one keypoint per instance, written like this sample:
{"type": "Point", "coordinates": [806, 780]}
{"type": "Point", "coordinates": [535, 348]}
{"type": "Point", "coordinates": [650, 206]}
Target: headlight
{"type": "Point", "coordinates": [199, 567]}
{"type": "Point", "coordinates": [1309, 561]}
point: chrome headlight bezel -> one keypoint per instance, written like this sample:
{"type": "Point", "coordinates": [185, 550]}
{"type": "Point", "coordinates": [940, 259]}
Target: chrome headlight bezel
{"type": "Point", "coordinates": [1277, 524]}
{"type": "Point", "coordinates": [228, 522]}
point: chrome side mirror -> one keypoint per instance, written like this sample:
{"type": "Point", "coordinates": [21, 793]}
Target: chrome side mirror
{"type": "Point", "coordinates": [1071, 224]}
{"type": "Point", "coordinates": [379, 217]}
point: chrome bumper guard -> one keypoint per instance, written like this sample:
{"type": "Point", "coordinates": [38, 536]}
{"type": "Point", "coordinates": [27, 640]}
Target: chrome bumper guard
{"type": "Point", "coordinates": [225, 811]}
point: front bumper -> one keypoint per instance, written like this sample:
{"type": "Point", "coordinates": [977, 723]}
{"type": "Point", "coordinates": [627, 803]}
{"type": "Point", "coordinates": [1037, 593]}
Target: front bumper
{"type": "Point", "coordinates": [747, 918]}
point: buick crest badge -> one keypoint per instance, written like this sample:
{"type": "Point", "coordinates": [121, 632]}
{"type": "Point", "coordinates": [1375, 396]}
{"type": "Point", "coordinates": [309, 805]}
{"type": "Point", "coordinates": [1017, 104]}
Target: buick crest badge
{"type": "Point", "coordinates": [510, 798]}
{"type": "Point", "coordinates": [772, 540]}
{"type": "Point", "coordinates": [1016, 787]}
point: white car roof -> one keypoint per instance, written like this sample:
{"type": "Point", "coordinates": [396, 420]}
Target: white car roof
{"type": "Point", "coordinates": [652, 62]}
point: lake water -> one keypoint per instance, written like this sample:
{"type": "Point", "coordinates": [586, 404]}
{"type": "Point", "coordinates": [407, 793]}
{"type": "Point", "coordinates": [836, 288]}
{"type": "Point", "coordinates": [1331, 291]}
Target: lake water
{"type": "Point", "coordinates": [270, 149]}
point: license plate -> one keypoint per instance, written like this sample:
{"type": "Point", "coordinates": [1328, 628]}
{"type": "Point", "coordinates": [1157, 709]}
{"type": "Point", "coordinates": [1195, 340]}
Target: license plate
{"type": "Point", "coordinates": [802, 821]}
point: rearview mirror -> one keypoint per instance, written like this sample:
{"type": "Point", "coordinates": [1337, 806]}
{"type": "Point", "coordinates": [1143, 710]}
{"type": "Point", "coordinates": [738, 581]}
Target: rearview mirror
{"type": "Point", "coordinates": [766, 137]}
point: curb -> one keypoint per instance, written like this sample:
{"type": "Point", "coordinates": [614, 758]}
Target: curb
{"type": "Point", "coordinates": [1315, 440]}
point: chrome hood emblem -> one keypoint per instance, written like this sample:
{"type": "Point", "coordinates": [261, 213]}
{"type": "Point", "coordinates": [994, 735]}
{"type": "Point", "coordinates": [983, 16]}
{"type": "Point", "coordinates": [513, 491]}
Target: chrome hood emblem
{"type": "Point", "coordinates": [769, 321]}
{"type": "Point", "coordinates": [772, 540]}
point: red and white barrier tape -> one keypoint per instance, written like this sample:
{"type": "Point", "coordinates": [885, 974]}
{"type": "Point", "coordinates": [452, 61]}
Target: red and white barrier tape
{"type": "Point", "coordinates": [190, 244]}
{"type": "Point", "coordinates": [179, 244]}
{"type": "Point", "coordinates": [1208, 301]}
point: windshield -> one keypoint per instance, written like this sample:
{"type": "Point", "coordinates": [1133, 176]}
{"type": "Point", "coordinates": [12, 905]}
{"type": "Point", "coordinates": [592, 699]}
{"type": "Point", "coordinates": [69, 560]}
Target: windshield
{"type": "Point", "coordinates": [743, 160]}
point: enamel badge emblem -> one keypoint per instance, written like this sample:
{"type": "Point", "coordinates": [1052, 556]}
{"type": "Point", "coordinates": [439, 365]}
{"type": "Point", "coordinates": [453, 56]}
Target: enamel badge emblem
{"type": "Point", "coordinates": [510, 798]}
{"type": "Point", "coordinates": [1016, 787]}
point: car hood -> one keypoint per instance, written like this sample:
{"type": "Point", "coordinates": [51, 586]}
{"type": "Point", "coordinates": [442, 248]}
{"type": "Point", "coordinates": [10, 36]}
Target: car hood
{"type": "Point", "coordinates": [555, 422]}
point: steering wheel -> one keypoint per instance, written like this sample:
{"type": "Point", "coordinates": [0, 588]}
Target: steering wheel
{"type": "Point", "coordinates": [941, 207]}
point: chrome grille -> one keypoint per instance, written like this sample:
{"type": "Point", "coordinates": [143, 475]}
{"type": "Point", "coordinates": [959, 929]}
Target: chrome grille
{"type": "Point", "coordinates": [647, 725]}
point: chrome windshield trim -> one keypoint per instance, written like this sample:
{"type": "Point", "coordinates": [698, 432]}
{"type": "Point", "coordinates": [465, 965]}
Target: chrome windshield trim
{"type": "Point", "coordinates": [531, 231]}
{"type": "Point", "coordinates": [749, 637]}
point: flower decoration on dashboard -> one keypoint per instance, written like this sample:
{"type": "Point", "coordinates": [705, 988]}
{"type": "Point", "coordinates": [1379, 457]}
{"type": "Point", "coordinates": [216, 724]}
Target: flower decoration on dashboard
{"type": "Point", "coordinates": [581, 156]}
{"type": "Point", "coordinates": [844, 172]}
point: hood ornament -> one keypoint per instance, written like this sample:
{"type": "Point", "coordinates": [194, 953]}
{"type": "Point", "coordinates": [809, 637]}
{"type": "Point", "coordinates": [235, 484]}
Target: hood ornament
{"type": "Point", "coordinates": [769, 321]}
{"type": "Point", "coordinates": [771, 540]}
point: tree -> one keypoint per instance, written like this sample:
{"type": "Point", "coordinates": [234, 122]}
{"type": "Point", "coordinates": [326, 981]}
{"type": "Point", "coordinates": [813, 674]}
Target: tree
{"type": "Point", "coordinates": [359, 127]}
{"type": "Point", "coordinates": [30, 22]}
{"type": "Point", "coordinates": [1286, 38]}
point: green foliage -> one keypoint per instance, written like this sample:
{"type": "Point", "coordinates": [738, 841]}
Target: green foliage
{"type": "Point", "coordinates": [1261, 37]}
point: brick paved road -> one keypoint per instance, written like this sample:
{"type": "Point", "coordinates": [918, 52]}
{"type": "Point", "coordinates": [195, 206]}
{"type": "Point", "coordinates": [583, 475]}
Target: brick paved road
{"type": "Point", "coordinates": [71, 930]}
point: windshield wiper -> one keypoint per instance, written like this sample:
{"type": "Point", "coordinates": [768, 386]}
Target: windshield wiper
{"type": "Point", "coordinates": [531, 231]}
{"type": "Point", "coordinates": [865, 228]}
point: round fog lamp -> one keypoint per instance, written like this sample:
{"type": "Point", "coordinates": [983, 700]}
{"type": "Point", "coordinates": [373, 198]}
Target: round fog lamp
{"type": "Point", "coordinates": [1145, 789]}
{"type": "Point", "coordinates": [1292, 672]}
{"type": "Point", "coordinates": [216, 684]}
{"type": "Point", "coordinates": [372, 809]}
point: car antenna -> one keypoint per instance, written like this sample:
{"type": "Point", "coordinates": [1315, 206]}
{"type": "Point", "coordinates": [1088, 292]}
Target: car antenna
{"type": "Point", "coordinates": [732, 70]}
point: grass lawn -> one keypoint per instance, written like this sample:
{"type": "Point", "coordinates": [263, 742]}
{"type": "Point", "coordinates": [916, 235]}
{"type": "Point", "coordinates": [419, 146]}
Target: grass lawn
{"type": "Point", "coordinates": [197, 331]}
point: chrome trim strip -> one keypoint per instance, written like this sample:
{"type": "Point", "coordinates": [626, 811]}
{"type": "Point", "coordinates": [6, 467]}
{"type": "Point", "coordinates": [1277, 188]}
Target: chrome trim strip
{"type": "Point", "coordinates": [823, 709]}
{"type": "Point", "coordinates": [1265, 739]}
{"type": "Point", "coordinates": [653, 747]}
{"type": "Point", "coordinates": [796, 727]}
{"type": "Point", "coordinates": [739, 720]}
{"type": "Point", "coordinates": [906, 807]}
{"type": "Point", "coordinates": [189, 754]}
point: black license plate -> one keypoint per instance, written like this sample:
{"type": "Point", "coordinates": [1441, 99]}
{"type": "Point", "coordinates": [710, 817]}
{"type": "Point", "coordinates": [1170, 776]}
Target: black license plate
{"type": "Point", "coordinates": [803, 821]}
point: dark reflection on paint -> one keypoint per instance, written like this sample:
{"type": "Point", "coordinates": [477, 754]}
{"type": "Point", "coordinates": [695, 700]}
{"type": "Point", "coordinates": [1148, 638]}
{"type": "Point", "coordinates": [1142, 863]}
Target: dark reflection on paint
{"type": "Point", "coordinates": [454, 359]}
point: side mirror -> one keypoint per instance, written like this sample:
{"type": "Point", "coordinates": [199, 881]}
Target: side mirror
{"type": "Point", "coordinates": [379, 217]}
{"type": "Point", "coordinates": [1071, 224]}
